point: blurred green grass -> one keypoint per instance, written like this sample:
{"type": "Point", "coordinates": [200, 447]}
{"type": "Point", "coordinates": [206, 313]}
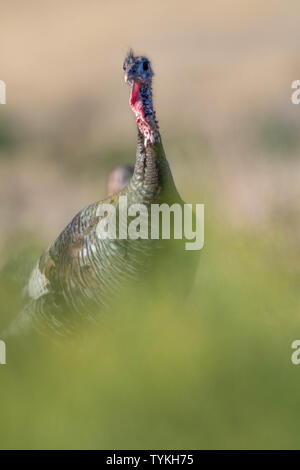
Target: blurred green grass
{"type": "Point", "coordinates": [217, 374]}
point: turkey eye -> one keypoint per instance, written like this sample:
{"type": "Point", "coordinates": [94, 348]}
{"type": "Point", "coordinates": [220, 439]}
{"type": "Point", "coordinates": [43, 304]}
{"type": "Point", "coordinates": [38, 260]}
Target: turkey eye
{"type": "Point", "coordinates": [145, 66]}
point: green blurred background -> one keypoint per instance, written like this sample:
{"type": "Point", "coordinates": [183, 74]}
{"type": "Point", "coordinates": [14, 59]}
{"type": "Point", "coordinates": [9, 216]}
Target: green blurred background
{"type": "Point", "coordinates": [219, 373]}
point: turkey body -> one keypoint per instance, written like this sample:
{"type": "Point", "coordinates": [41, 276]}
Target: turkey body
{"type": "Point", "coordinates": [81, 275]}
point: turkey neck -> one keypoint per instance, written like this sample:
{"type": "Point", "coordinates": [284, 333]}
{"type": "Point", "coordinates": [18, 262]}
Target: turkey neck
{"type": "Point", "coordinates": [152, 178]}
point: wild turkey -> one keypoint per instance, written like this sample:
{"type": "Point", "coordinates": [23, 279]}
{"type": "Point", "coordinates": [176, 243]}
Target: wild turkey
{"type": "Point", "coordinates": [118, 178]}
{"type": "Point", "coordinates": [81, 273]}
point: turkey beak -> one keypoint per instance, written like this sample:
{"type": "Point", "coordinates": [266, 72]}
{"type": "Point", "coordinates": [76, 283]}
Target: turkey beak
{"type": "Point", "coordinates": [128, 76]}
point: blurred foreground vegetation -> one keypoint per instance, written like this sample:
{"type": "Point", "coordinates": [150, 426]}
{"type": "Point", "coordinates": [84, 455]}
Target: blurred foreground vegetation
{"type": "Point", "coordinates": [217, 374]}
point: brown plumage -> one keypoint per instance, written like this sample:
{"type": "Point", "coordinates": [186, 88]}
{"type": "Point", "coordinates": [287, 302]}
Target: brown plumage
{"type": "Point", "coordinates": [81, 273]}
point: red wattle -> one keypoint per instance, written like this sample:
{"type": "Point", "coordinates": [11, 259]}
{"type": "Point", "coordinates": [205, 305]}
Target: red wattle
{"type": "Point", "coordinates": [135, 94]}
{"type": "Point", "coordinates": [136, 104]}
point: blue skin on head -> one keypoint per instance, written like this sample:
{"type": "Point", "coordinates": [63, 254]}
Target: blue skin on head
{"type": "Point", "coordinates": [138, 73]}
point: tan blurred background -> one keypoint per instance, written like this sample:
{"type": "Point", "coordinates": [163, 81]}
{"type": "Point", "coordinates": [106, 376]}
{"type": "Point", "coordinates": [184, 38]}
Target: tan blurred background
{"type": "Point", "coordinates": [222, 92]}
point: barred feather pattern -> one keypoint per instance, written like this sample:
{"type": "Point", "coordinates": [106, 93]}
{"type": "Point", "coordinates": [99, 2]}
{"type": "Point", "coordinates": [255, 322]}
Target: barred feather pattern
{"type": "Point", "coordinates": [80, 273]}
